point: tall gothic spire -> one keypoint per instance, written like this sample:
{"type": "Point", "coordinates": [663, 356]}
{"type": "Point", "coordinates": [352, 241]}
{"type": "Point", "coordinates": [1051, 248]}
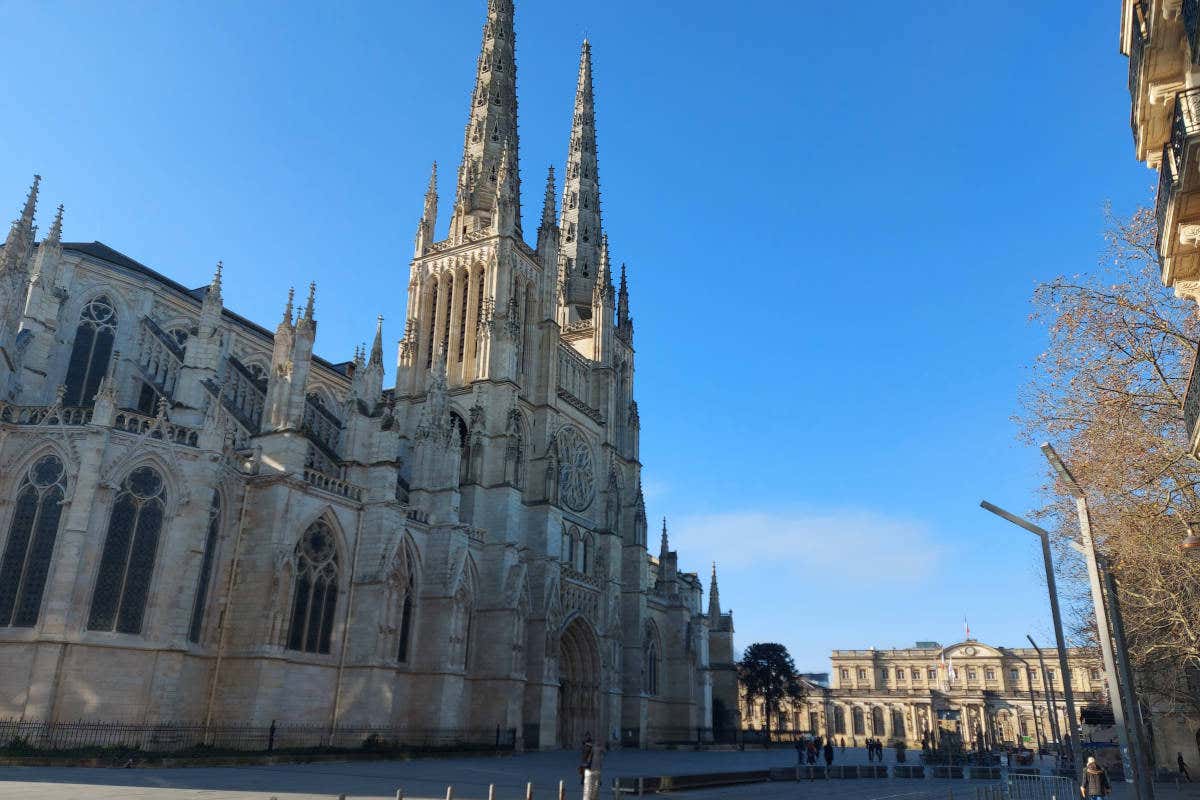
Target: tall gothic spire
{"type": "Point", "coordinates": [663, 547]}
{"type": "Point", "coordinates": [428, 224]}
{"type": "Point", "coordinates": [54, 238]}
{"type": "Point", "coordinates": [624, 320]}
{"type": "Point", "coordinates": [492, 122]}
{"type": "Point", "coordinates": [581, 226]}
{"type": "Point", "coordinates": [287, 310]}
{"type": "Point", "coordinates": [377, 345]}
{"type": "Point", "coordinates": [549, 212]}
{"type": "Point", "coordinates": [20, 235]}
{"type": "Point", "coordinates": [714, 597]}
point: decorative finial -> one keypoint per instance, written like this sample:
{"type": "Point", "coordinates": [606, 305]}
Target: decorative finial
{"type": "Point", "coordinates": [312, 296]}
{"type": "Point", "coordinates": [287, 311]}
{"type": "Point", "coordinates": [377, 345]}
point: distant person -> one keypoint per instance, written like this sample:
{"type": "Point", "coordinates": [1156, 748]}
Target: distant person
{"type": "Point", "coordinates": [812, 753]}
{"type": "Point", "coordinates": [843, 743]}
{"type": "Point", "coordinates": [585, 757]}
{"type": "Point", "coordinates": [1095, 781]}
{"type": "Point", "coordinates": [593, 757]}
{"type": "Point", "coordinates": [828, 753]}
{"type": "Point", "coordinates": [900, 755]}
{"type": "Point", "coordinates": [1183, 770]}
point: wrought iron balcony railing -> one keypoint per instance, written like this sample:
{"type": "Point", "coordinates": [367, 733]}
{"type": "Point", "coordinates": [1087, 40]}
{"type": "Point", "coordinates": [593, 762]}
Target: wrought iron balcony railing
{"type": "Point", "coordinates": [1191, 400]}
{"type": "Point", "coordinates": [1137, 50]}
{"type": "Point", "coordinates": [1163, 197]}
{"type": "Point", "coordinates": [1191, 25]}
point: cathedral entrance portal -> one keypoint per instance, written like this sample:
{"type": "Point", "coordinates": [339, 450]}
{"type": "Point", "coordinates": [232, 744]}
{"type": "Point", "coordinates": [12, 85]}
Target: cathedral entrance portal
{"type": "Point", "coordinates": [579, 685]}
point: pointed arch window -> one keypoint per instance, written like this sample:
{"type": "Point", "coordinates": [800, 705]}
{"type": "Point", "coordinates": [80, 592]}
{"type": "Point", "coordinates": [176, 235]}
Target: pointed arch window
{"type": "Point", "coordinates": [206, 566]}
{"type": "Point", "coordinates": [91, 352]}
{"type": "Point", "coordinates": [839, 720]}
{"type": "Point", "coordinates": [314, 600]}
{"type": "Point", "coordinates": [130, 546]}
{"type": "Point", "coordinates": [406, 618]}
{"type": "Point", "coordinates": [30, 543]}
{"type": "Point", "coordinates": [651, 653]}
{"type": "Point", "coordinates": [860, 723]}
{"type": "Point", "coordinates": [433, 301]}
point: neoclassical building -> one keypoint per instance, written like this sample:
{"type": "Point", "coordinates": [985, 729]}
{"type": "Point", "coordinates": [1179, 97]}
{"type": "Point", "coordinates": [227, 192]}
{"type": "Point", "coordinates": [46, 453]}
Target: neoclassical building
{"type": "Point", "coordinates": [986, 695]}
{"type": "Point", "coordinates": [201, 519]}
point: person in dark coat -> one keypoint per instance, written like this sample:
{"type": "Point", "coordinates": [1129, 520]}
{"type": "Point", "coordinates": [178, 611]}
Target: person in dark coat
{"type": "Point", "coordinates": [1095, 780]}
{"type": "Point", "coordinates": [829, 754]}
{"type": "Point", "coordinates": [1183, 770]}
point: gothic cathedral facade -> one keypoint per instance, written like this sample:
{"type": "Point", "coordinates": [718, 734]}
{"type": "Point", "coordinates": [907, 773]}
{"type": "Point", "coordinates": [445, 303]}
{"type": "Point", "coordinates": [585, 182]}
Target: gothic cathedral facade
{"type": "Point", "coordinates": [203, 520]}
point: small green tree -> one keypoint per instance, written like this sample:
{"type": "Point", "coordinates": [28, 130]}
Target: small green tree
{"type": "Point", "coordinates": [767, 671]}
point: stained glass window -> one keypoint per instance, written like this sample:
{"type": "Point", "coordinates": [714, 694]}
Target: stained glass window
{"type": "Point", "coordinates": [127, 562]}
{"type": "Point", "coordinates": [210, 546]}
{"type": "Point", "coordinates": [90, 354]}
{"type": "Point", "coordinates": [315, 597]}
{"type": "Point", "coordinates": [30, 544]}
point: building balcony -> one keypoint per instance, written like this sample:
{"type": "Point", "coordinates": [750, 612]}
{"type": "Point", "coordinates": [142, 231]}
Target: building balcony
{"type": "Point", "coordinates": [1191, 407]}
{"type": "Point", "coordinates": [1177, 204]}
{"type": "Point", "coordinates": [1154, 36]}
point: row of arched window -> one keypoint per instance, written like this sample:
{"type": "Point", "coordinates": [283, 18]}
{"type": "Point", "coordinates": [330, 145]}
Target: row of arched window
{"type": "Point", "coordinates": [578, 549]}
{"type": "Point", "coordinates": [858, 720]}
{"type": "Point", "coordinates": [131, 540]}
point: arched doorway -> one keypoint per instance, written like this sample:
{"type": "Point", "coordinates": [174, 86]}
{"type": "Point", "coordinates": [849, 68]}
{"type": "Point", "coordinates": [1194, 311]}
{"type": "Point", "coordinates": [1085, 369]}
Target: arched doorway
{"type": "Point", "coordinates": [578, 685]}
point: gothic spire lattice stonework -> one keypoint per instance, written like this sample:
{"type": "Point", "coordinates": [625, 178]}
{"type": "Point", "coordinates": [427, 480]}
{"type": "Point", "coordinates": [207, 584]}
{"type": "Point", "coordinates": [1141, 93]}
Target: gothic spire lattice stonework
{"type": "Point", "coordinates": [580, 225]}
{"type": "Point", "coordinates": [492, 124]}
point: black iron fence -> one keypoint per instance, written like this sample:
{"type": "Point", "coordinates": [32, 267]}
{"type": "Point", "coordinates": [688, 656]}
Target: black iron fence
{"type": "Point", "coordinates": [24, 736]}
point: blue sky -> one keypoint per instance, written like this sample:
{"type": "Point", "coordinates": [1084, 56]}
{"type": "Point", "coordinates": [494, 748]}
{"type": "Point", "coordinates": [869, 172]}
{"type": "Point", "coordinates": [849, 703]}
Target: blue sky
{"type": "Point", "coordinates": [833, 216]}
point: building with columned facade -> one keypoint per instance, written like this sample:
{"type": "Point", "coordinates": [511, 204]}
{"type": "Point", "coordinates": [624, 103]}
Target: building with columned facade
{"type": "Point", "coordinates": [987, 696]}
{"type": "Point", "coordinates": [202, 519]}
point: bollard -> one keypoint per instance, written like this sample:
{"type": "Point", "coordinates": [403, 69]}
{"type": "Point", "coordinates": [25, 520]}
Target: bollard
{"type": "Point", "coordinates": [449, 793]}
{"type": "Point", "coordinates": [641, 786]}
{"type": "Point", "coordinates": [399, 794]}
{"type": "Point", "coordinates": [562, 791]}
{"type": "Point", "coordinates": [529, 791]}
{"type": "Point", "coordinates": [491, 791]}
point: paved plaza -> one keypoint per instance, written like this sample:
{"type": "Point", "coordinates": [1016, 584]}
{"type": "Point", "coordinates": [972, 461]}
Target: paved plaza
{"type": "Point", "coordinates": [427, 779]}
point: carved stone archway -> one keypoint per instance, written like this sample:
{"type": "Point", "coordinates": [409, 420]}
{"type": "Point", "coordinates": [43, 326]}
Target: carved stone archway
{"type": "Point", "coordinates": [579, 685]}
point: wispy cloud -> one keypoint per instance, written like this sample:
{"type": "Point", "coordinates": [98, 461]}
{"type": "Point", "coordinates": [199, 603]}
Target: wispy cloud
{"type": "Point", "coordinates": [824, 546]}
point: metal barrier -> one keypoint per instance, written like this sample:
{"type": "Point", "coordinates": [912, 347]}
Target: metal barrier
{"type": "Point", "coordinates": [1041, 787]}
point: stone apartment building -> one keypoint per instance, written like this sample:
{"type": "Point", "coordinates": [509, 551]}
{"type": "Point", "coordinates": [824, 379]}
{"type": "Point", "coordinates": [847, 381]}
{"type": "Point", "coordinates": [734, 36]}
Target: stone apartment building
{"type": "Point", "coordinates": [203, 520]}
{"type": "Point", "coordinates": [987, 695]}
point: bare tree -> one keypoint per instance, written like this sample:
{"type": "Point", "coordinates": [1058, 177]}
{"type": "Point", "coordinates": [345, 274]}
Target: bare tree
{"type": "Point", "coordinates": [1108, 392]}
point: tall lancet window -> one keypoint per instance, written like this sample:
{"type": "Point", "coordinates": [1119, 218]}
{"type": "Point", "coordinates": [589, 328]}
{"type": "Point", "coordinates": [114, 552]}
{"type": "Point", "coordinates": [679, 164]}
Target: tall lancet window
{"type": "Point", "coordinates": [206, 566]}
{"type": "Point", "coordinates": [462, 320]}
{"type": "Point", "coordinates": [407, 609]}
{"type": "Point", "coordinates": [30, 544]}
{"type": "Point", "coordinates": [315, 598]}
{"type": "Point", "coordinates": [92, 349]}
{"type": "Point", "coordinates": [479, 314]}
{"type": "Point", "coordinates": [127, 562]}
{"type": "Point", "coordinates": [449, 321]}
{"type": "Point", "coordinates": [432, 337]}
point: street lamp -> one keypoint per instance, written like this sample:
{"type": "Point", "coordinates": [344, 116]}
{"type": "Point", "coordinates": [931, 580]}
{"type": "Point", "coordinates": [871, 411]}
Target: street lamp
{"type": "Point", "coordinates": [1118, 682]}
{"type": "Point", "coordinates": [1059, 639]}
{"type": "Point", "coordinates": [1191, 544]}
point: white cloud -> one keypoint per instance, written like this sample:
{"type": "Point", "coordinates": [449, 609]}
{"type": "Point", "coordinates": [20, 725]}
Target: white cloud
{"type": "Point", "coordinates": [830, 546]}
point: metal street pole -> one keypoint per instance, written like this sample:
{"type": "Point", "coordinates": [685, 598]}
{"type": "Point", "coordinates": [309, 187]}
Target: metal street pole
{"type": "Point", "coordinates": [1141, 749]}
{"type": "Point", "coordinates": [1051, 711]}
{"type": "Point", "coordinates": [1059, 639]}
{"type": "Point", "coordinates": [1130, 761]}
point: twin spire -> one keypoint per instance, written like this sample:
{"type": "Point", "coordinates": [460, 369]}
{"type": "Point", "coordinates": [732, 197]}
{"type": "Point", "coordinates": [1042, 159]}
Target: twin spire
{"type": "Point", "coordinates": [580, 224]}
{"type": "Point", "coordinates": [490, 141]}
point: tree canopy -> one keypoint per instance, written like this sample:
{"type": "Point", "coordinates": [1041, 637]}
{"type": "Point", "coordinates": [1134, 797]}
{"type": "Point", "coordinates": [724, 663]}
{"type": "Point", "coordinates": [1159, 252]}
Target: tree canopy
{"type": "Point", "coordinates": [767, 672]}
{"type": "Point", "coordinates": [1108, 393]}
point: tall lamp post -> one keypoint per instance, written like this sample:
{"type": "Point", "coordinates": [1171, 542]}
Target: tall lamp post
{"type": "Point", "coordinates": [1133, 762]}
{"type": "Point", "coordinates": [1051, 588]}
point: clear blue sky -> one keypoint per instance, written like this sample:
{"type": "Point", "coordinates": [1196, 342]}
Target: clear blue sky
{"type": "Point", "coordinates": [833, 216]}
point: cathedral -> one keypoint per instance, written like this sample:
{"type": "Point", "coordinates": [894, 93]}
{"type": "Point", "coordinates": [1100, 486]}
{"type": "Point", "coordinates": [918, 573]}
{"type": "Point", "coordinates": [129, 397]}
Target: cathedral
{"type": "Point", "coordinates": [203, 520]}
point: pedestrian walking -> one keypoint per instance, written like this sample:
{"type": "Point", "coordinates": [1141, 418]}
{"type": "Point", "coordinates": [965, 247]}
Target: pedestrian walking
{"type": "Point", "coordinates": [593, 758]}
{"type": "Point", "coordinates": [843, 743]}
{"type": "Point", "coordinates": [1095, 781]}
{"type": "Point", "coordinates": [829, 754]}
{"type": "Point", "coordinates": [812, 754]}
{"type": "Point", "coordinates": [1183, 770]}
